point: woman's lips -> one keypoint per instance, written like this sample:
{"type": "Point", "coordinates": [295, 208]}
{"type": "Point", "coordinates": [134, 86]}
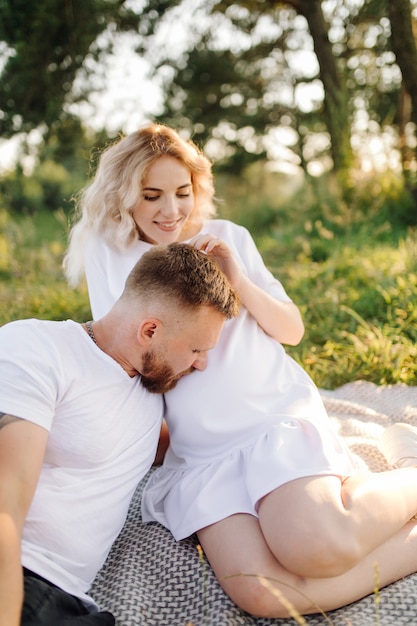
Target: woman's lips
{"type": "Point", "coordinates": [168, 226]}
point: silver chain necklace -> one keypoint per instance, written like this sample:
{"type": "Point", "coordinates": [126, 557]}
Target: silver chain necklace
{"type": "Point", "coordinates": [90, 332]}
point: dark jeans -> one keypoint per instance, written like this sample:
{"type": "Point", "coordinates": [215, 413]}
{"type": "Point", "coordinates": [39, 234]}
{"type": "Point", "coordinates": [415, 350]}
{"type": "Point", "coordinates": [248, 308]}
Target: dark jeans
{"type": "Point", "coordinates": [46, 605]}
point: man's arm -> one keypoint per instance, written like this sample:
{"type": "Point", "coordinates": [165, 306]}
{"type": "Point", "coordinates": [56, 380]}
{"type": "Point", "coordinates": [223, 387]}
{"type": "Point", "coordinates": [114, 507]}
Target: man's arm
{"type": "Point", "coordinates": [22, 448]}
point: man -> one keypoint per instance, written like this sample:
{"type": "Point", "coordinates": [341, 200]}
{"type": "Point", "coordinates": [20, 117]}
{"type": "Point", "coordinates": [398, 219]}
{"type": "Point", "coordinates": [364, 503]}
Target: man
{"type": "Point", "coordinates": [79, 428]}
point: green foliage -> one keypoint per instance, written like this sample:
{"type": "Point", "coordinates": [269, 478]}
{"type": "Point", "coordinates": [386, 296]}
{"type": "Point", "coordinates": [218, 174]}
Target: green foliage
{"type": "Point", "coordinates": [31, 250]}
{"type": "Point", "coordinates": [59, 170]}
{"type": "Point", "coordinates": [48, 43]}
{"type": "Point", "coordinates": [227, 82]}
{"type": "Point", "coordinates": [360, 314]}
{"type": "Point", "coordinates": [253, 81]}
{"type": "Point", "coordinates": [242, 70]}
{"type": "Point", "coordinates": [258, 199]}
{"type": "Point", "coordinates": [49, 187]}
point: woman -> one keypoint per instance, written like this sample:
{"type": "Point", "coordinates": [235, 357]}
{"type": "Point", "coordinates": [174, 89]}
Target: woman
{"type": "Point", "coordinates": [254, 466]}
{"type": "Point", "coordinates": [120, 217]}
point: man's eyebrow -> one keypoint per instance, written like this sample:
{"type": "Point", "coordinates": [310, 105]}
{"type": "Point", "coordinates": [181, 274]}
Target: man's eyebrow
{"type": "Point", "coordinates": [204, 349]}
{"type": "Point", "coordinates": [6, 418]}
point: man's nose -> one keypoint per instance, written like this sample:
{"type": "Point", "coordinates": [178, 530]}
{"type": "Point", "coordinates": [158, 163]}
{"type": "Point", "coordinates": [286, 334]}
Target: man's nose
{"type": "Point", "coordinates": [201, 362]}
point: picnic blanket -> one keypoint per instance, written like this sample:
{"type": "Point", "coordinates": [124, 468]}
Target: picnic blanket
{"type": "Point", "coordinates": [149, 579]}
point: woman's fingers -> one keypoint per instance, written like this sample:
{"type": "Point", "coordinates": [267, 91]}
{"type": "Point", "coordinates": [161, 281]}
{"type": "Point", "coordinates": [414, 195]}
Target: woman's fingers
{"type": "Point", "coordinates": [208, 243]}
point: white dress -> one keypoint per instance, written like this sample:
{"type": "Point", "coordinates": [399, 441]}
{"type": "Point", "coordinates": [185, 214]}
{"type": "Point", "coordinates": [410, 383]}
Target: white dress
{"type": "Point", "coordinates": [250, 422]}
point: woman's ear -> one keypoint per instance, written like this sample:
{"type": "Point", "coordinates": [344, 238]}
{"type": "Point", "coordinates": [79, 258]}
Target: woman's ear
{"type": "Point", "coordinates": [147, 330]}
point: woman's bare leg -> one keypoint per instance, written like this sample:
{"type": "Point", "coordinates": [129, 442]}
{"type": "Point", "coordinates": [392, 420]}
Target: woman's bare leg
{"type": "Point", "coordinates": [239, 556]}
{"type": "Point", "coordinates": [323, 526]}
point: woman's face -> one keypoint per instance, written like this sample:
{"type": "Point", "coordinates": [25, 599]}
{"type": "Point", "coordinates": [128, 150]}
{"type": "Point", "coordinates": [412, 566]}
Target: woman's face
{"type": "Point", "coordinates": [166, 203]}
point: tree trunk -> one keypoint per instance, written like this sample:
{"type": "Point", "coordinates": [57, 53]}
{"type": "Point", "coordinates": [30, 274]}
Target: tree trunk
{"type": "Point", "coordinates": [336, 110]}
{"type": "Point", "coordinates": [404, 117]}
{"type": "Point", "coordinates": [404, 48]}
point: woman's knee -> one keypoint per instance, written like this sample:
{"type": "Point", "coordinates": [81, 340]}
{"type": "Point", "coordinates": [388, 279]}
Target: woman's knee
{"type": "Point", "coordinates": [308, 529]}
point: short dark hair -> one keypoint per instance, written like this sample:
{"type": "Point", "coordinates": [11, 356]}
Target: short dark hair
{"type": "Point", "coordinates": [181, 273]}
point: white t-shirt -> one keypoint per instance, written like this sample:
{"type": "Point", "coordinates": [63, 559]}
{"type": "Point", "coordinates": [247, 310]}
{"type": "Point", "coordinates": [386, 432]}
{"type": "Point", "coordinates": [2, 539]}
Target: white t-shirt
{"type": "Point", "coordinates": [104, 429]}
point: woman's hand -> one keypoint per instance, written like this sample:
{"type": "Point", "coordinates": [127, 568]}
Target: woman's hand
{"type": "Point", "coordinates": [281, 320]}
{"type": "Point", "coordinates": [223, 254]}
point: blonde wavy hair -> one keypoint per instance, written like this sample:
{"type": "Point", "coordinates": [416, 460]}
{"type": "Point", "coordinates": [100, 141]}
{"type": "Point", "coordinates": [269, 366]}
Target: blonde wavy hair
{"type": "Point", "coordinates": [105, 206]}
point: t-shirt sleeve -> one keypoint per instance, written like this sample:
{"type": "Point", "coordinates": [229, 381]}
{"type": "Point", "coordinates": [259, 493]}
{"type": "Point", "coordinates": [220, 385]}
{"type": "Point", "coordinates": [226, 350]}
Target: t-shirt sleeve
{"type": "Point", "coordinates": [98, 282]}
{"type": "Point", "coordinates": [28, 378]}
{"type": "Point", "coordinates": [255, 267]}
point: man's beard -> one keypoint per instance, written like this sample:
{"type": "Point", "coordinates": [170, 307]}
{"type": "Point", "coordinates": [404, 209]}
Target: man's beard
{"type": "Point", "coordinates": [157, 375]}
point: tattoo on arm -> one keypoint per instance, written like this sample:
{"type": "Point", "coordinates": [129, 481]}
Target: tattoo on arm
{"type": "Point", "coordinates": [5, 419]}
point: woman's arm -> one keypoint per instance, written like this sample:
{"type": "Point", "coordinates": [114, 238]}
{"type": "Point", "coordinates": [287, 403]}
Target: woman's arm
{"type": "Point", "coordinates": [281, 320]}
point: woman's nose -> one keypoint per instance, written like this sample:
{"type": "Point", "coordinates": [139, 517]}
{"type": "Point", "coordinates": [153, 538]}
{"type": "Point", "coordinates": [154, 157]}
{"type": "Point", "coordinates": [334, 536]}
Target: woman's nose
{"type": "Point", "coordinates": [169, 206]}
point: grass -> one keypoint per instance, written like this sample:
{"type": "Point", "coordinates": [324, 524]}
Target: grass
{"type": "Point", "coordinates": [31, 252]}
{"type": "Point", "coordinates": [359, 307]}
{"type": "Point", "coordinates": [349, 264]}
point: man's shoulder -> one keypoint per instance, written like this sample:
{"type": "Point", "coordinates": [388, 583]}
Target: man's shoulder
{"type": "Point", "coordinates": [33, 326]}
{"type": "Point", "coordinates": [23, 327]}
{"type": "Point", "coordinates": [35, 337]}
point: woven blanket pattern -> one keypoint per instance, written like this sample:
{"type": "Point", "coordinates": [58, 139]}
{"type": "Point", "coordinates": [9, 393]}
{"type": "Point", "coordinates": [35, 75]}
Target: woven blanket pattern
{"type": "Point", "coordinates": [149, 579]}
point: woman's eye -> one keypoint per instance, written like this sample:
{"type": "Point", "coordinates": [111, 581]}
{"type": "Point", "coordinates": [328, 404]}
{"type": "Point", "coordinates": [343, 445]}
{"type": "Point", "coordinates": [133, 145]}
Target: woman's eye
{"type": "Point", "coordinates": [183, 195]}
{"type": "Point", "coordinates": [150, 198]}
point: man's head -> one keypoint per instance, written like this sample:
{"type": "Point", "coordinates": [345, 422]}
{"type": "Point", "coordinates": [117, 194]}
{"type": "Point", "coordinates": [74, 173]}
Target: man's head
{"type": "Point", "coordinates": [176, 299]}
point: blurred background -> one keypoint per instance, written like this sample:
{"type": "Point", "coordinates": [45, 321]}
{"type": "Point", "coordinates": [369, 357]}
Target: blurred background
{"type": "Point", "coordinates": [308, 111]}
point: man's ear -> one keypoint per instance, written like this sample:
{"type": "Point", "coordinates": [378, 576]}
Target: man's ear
{"type": "Point", "coordinates": [147, 330]}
